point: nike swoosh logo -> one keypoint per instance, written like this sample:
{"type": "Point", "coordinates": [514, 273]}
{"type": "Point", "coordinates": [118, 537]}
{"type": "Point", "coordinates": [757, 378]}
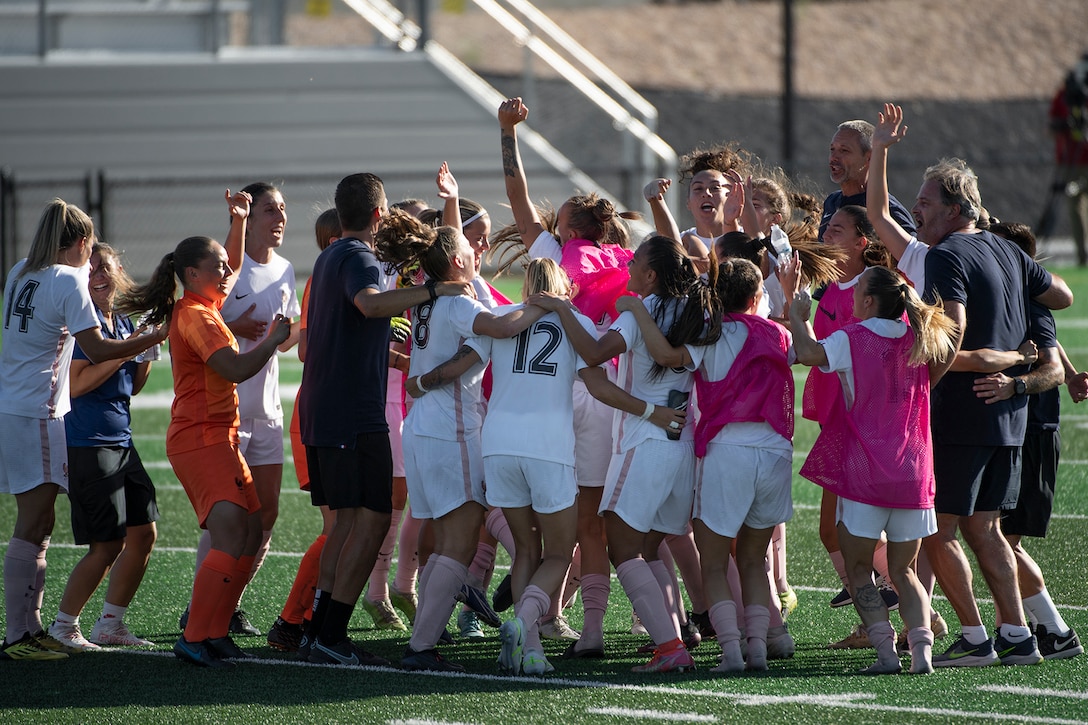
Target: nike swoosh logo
{"type": "Point", "coordinates": [1006, 651]}
{"type": "Point", "coordinates": [957, 655]}
{"type": "Point", "coordinates": [832, 315]}
{"type": "Point", "coordinates": [1059, 645]}
{"type": "Point", "coordinates": [241, 297]}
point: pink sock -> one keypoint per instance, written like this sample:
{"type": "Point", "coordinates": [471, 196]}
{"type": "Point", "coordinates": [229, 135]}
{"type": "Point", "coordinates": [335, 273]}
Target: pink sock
{"type": "Point", "coordinates": [757, 618]}
{"type": "Point", "coordinates": [530, 608]}
{"type": "Point", "coordinates": [443, 581]}
{"type": "Point", "coordinates": [642, 589]}
{"type": "Point", "coordinates": [920, 640]}
{"type": "Point", "coordinates": [723, 616]}
{"type": "Point", "coordinates": [840, 566]}
{"type": "Point", "coordinates": [496, 526]}
{"type": "Point", "coordinates": [687, 561]}
{"type": "Point", "coordinates": [670, 590]}
{"type": "Point", "coordinates": [595, 590]}
{"type": "Point", "coordinates": [34, 616]}
{"type": "Point", "coordinates": [21, 563]}
{"type": "Point", "coordinates": [481, 563]}
{"type": "Point", "coordinates": [378, 587]}
{"type": "Point", "coordinates": [778, 558]}
{"type": "Point", "coordinates": [408, 559]}
{"type": "Point", "coordinates": [882, 637]}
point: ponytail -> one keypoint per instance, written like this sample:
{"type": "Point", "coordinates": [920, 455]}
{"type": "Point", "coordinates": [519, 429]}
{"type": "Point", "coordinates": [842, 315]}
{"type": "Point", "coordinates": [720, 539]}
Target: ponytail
{"type": "Point", "coordinates": [157, 297]}
{"type": "Point", "coordinates": [61, 225]}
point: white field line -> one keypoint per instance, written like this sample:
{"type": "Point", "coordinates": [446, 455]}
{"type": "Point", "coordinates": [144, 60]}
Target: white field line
{"type": "Point", "coordinates": [651, 714]}
{"type": "Point", "coordinates": [1034, 692]}
{"type": "Point", "coordinates": [417, 721]}
{"type": "Point", "coordinates": [846, 700]}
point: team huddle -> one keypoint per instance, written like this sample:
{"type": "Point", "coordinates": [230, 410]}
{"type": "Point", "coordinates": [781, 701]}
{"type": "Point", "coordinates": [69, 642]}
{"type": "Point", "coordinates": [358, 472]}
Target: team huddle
{"type": "Point", "coordinates": [634, 412]}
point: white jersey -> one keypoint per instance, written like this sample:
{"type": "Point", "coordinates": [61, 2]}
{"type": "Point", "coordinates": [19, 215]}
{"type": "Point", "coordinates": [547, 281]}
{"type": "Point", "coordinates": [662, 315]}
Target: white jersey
{"type": "Point", "coordinates": [531, 410]}
{"type": "Point", "coordinates": [635, 375]}
{"type": "Point", "coordinates": [42, 310]}
{"type": "Point", "coordinates": [439, 329]}
{"type": "Point", "coordinates": [272, 288]}
{"type": "Point", "coordinates": [913, 263]}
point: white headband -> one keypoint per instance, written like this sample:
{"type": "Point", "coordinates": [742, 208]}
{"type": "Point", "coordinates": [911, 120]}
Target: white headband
{"type": "Point", "coordinates": [473, 218]}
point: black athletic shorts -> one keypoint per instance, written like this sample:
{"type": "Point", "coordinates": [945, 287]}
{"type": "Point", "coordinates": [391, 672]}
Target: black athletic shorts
{"type": "Point", "coordinates": [1039, 472]}
{"type": "Point", "coordinates": [976, 478]}
{"type": "Point", "coordinates": [109, 491]}
{"type": "Point", "coordinates": [359, 477]}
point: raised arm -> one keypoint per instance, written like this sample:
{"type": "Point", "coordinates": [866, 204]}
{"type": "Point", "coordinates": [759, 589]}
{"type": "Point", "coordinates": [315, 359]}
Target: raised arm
{"type": "Point", "coordinates": [450, 193]}
{"type": "Point", "coordinates": [888, 131]}
{"type": "Point", "coordinates": [664, 224]}
{"type": "Point", "coordinates": [592, 350]}
{"type": "Point", "coordinates": [511, 113]}
{"type": "Point", "coordinates": [235, 244]}
{"type": "Point", "coordinates": [659, 347]}
{"type": "Point", "coordinates": [809, 351]}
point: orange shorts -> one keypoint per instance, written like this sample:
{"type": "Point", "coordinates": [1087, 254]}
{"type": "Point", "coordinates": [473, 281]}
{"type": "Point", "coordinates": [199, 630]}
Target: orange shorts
{"type": "Point", "coordinates": [213, 474]}
{"type": "Point", "coordinates": [298, 451]}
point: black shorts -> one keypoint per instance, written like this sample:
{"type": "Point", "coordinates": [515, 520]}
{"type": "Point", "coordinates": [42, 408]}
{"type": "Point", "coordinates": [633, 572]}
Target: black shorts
{"type": "Point", "coordinates": [109, 491]}
{"type": "Point", "coordinates": [1031, 517]}
{"type": "Point", "coordinates": [347, 478]}
{"type": "Point", "coordinates": [976, 478]}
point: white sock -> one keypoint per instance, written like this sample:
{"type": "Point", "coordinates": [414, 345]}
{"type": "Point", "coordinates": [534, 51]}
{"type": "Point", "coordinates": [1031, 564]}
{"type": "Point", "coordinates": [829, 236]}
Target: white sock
{"type": "Point", "coordinates": [1014, 633]}
{"type": "Point", "coordinates": [68, 619]}
{"type": "Point", "coordinates": [975, 634]}
{"type": "Point", "coordinates": [1040, 608]}
{"type": "Point", "coordinates": [113, 611]}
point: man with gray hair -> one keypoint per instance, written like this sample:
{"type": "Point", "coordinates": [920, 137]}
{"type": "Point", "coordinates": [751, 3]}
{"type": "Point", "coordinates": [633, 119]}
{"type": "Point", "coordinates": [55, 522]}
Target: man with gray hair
{"type": "Point", "coordinates": [848, 162]}
{"type": "Point", "coordinates": [976, 441]}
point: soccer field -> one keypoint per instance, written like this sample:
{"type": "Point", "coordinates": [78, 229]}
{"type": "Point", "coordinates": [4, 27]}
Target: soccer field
{"type": "Point", "coordinates": [816, 685]}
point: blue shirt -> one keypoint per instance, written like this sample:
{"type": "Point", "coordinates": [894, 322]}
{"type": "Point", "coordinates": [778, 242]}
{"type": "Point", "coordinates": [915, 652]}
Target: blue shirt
{"type": "Point", "coordinates": [101, 416]}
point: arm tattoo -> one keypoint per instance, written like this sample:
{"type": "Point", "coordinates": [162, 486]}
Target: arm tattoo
{"type": "Point", "coordinates": [509, 154]}
{"type": "Point", "coordinates": [441, 375]}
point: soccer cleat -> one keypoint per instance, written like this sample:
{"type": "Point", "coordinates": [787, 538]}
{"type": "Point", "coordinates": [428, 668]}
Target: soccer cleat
{"type": "Point", "coordinates": [557, 628]}
{"type": "Point", "coordinates": [284, 636]}
{"type": "Point", "coordinates": [183, 620]}
{"type": "Point", "coordinates": [469, 624]}
{"type": "Point", "coordinates": [29, 648]}
{"type": "Point", "coordinates": [964, 654]}
{"type": "Point", "coordinates": [112, 631]}
{"type": "Point", "coordinates": [344, 652]}
{"type": "Point", "coordinates": [429, 660]}
{"type": "Point", "coordinates": [689, 631]}
{"type": "Point", "coordinates": [780, 644]}
{"type": "Point", "coordinates": [677, 659]}
{"type": "Point", "coordinates": [445, 637]}
{"type": "Point", "coordinates": [71, 638]}
{"type": "Point", "coordinates": [891, 599]}
{"type": "Point", "coordinates": [589, 652]}
{"type": "Point", "coordinates": [1054, 646]}
{"type": "Point", "coordinates": [383, 615]}
{"type": "Point", "coordinates": [225, 649]}
{"type": "Point", "coordinates": [533, 662]}
{"type": "Point", "coordinates": [305, 647]}
{"type": "Point", "coordinates": [512, 635]}
{"type": "Point", "coordinates": [476, 600]}
{"type": "Point", "coordinates": [199, 654]}
{"type": "Point", "coordinates": [857, 639]}
{"type": "Point", "coordinates": [503, 598]}
{"type": "Point", "coordinates": [636, 625]}
{"type": "Point", "coordinates": [240, 624]}
{"type": "Point", "coordinates": [702, 621]}
{"type": "Point", "coordinates": [1024, 652]}
{"type": "Point", "coordinates": [789, 601]}
{"type": "Point", "coordinates": [406, 602]}
{"type": "Point", "coordinates": [842, 599]}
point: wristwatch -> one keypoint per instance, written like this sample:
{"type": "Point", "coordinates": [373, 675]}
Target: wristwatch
{"type": "Point", "coordinates": [1019, 386]}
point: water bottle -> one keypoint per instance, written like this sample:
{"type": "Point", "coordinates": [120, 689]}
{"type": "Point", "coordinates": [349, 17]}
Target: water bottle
{"type": "Point", "coordinates": [780, 242]}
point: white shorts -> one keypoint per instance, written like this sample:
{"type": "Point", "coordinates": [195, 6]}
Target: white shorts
{"type": "Point", "coordinates": [651, 486]}
{"type": "Point", "coordinates": [866, 522]}
{"type": "Point", "coordinates": [737, 485]}
{"type": "Point", "coordinates": [394, 416]}
{"type": "Point", "coordinates": [515, 482]}
{"type": "Point", "coordinates": [33, 451]}
{"type": "Point", "coordinates": [260, 441]}
{"type": "Point", "coordinates": [442, 475]}
{"type": "Point", "coordinates": [592, 436]}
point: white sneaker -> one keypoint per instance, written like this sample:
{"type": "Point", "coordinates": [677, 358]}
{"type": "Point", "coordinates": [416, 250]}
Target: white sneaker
{"type": "Point", "coordinates": [112, 631]}
{"type": "Point", "coordinates": [70, 636]}
{"type": "Point", "coordinates": [780, 644]}
{"type": "Point", "coordinates": [557, 628]}
{"type": "Point", "coordinates": [533, 662]}
{"type": "Point", "coordinates": [636, 625]}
